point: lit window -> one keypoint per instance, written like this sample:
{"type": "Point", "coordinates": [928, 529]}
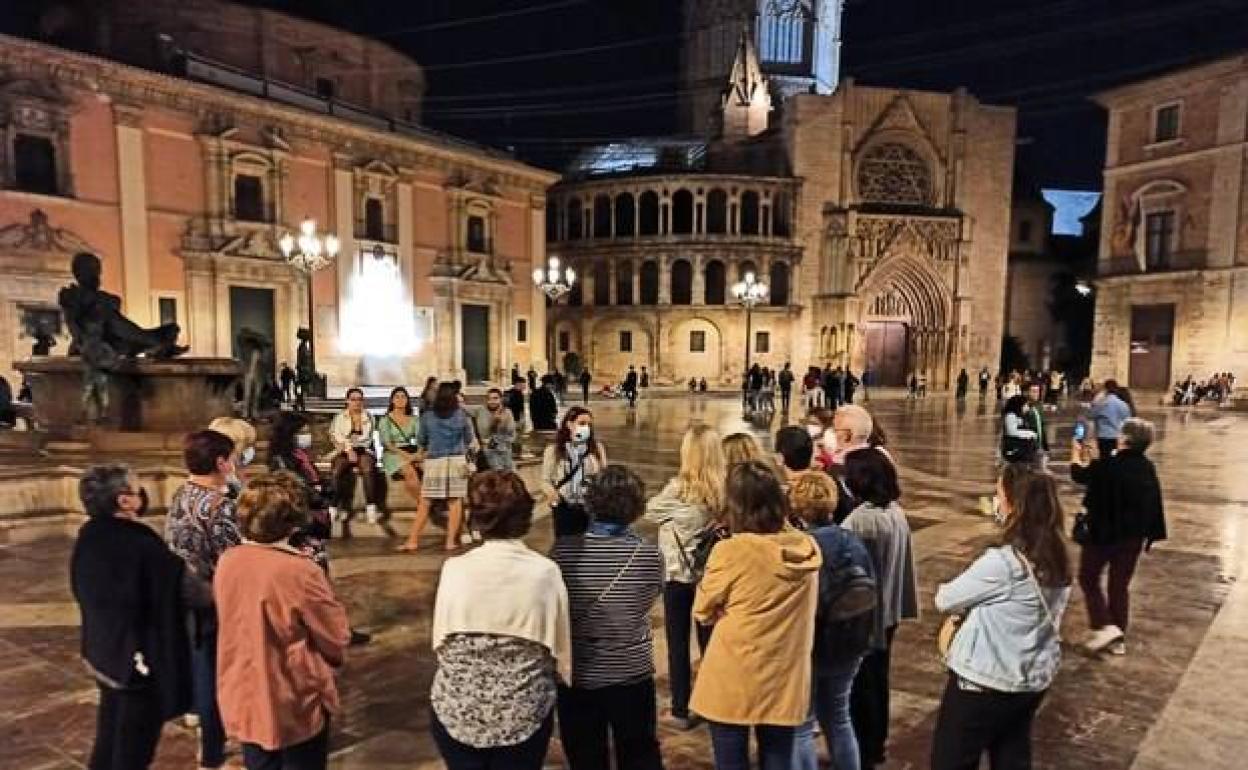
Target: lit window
{"type": "Point", "coordinates": [697, 342]}
{"type": "Point", "coordinates": [1166, 123]}
{"type": "Point", "coordinates": [762, 342]}
{"type": "Point", "coordinates": [248, 198]}
{"type": "Point", "coordinates": [34, 164]}
{"type": "Point", "coordinates": [626, 342]}
{"type": "Point", "coordinates": [1158, 238]}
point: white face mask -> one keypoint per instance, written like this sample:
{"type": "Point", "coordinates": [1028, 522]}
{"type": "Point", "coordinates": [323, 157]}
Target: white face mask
{"type": "Point", "coordinates": [581, 433]}
{"type": "Point", "coordinates": [829, 441]}
{"type": "Point", "coordinates": [304, 440]}
{"type": "Point", "coordinates": [247, 456]}
{"type": "Point", "coordinates": [815, 431]}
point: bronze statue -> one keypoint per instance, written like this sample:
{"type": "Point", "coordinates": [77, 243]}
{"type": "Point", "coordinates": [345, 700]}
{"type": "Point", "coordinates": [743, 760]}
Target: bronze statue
{"type": "Point", "coordinates": [101, 335]}
{"type": "Point", "coordinates": [44, 342]}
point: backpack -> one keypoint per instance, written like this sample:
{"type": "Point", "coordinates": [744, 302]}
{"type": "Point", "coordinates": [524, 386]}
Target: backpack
{"type": "Point", "coordinates": [845, 613]}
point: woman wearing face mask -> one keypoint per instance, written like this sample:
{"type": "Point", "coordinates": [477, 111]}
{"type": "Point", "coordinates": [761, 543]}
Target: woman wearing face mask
{"type": "Point", "coordinates": [243, 434]}
{"type": "Point", "coordinates": [132, 593]}
{"type": "Point", "coordinates": [290, 445]}
{"type": "Point", "coordinates": [401, 454]}
{"type": "Point", "coordinates": [1007, 650]}
{"type": "Point", "coordinates": [568, 463]}
{"type": "Point", "coordinates": [203, 523]}
{"type": "Point", "coordinates": [819, 426]}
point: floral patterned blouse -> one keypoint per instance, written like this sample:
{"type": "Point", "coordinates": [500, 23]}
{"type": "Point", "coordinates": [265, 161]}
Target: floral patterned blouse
{"type": "Point", "coordinates": [202, 523]}
{"type": "Point", "coordinates": [492, 690]}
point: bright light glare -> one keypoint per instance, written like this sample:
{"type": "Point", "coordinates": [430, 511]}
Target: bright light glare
{"type": "Point", "coordinates": [379, 319]}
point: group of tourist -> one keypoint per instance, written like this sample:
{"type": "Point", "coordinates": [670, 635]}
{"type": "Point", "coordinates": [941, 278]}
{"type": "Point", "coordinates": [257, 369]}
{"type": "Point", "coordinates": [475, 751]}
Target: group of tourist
{"type": "Point", "coordinates": [828, 387]}
{"type": "Point", "coordinates": [1217, 389]}
{"type": "Point", "coordinates": [792, 571]}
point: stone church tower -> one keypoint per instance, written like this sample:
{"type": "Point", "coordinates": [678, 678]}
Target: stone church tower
{"type": "Point", "coordinates": [798, 46]}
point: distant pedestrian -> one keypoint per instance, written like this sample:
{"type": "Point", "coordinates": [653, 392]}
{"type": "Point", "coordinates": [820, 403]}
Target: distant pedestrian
{"type": "Point", "coordinates": [963, 383]}
{"type": "Point", "coordinates": [785, 381]}
{"type": "Point", "coordinates": [288, 382]}
{"type": "Point", "coordinates": [1109, 411]}
{"type": "Point", "coordinates": [585, 379]}
{"type": "Point", "coordinates": [984, 379]}
{"type": "Point", "coordinates": [543, 407]}
{"type": "Point", "coordinates": [630, 386]}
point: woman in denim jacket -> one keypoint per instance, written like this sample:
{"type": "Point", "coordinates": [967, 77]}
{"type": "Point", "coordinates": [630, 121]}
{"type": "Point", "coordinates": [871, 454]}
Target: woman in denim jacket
{"type": "Point", "coordinates": [1007, 651]}
{"type": "Point", "coordinates": [445, 438]}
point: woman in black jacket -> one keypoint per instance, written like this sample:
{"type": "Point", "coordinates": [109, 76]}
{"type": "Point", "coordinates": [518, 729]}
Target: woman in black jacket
{"type": "Point", "coordinates": [1125, 516]}
{"type": "Point", "coordinates": [133, 593]}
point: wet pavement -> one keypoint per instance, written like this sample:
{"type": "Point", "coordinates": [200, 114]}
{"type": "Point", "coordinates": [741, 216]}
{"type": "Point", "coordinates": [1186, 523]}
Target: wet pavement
{"type": "Point", "coordinates": [1179, 699]}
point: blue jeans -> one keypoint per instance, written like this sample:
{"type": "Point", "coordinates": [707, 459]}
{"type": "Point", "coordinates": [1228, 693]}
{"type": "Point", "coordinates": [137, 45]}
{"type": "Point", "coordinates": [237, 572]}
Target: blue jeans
{"type": "Point", "coordinates": [204, 689]}
{"type": "Point", "coordinates": [731, 744]}
{"type": "Point", "coordinates": [829, 704]}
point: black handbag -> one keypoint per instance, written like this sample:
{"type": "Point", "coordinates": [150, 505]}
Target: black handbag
{"type": "Point", "coordinates": [570, 518]}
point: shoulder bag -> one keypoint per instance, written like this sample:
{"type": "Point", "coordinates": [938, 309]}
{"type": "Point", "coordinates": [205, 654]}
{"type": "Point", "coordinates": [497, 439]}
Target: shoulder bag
{"type": "Point", "coordinates": [577, 620]}
{"type": "Point", "coordinates": [570, 518]}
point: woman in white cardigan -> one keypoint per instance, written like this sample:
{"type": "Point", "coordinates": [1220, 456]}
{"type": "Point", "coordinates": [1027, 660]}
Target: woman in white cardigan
{"type": "Point", "coordinates": [501, 635]}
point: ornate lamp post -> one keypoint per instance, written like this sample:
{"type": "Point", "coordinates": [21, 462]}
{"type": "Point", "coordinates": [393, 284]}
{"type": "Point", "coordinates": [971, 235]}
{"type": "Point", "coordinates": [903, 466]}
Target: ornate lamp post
{"type": "Point", "coordinates": [554, 283]}
{"type": "Point", "coordinates": [748, 293]}
{"type": "Point", "coordinates": [308, 252]}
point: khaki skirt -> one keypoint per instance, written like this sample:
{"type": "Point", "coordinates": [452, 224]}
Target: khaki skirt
{"type": "Point", "coordinates": [445, 478]}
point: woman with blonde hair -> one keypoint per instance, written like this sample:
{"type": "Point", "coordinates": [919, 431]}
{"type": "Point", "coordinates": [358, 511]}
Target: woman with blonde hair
{"type": "Point", "coordinates": [688, 503]}
{"type": "Point", "coordinates": [243, 434]}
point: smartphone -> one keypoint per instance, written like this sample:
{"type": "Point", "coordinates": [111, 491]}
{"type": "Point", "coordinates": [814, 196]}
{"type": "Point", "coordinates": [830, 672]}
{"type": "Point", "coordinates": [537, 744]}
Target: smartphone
{"type": "Point", "coordinates": [1081, 431]}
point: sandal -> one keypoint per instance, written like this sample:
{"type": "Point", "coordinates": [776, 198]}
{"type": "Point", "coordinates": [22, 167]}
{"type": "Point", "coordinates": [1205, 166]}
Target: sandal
{"type": "Point", "coordinates": [407, 548]}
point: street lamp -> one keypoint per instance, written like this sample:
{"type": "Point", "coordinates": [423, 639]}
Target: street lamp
{"type": "Point", "coordinates": [554, 284]}
{"type": "Point", "coordinates": [308, 252]}
{"type": "Point", "coordinates": [748, 293]}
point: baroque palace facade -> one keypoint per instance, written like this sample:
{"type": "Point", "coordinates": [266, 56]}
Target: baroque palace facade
{"type": "Point", "coordinates": [1172, 286]}
{"type": "Point", "coordinates": [879, 217]}
{"type": "Point", "coordinates": [195, 133]}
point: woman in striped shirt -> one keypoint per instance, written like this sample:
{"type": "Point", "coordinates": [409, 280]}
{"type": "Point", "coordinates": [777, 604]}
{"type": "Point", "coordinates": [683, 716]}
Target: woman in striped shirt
{"type": "Point", "coordinates": [613, 579]}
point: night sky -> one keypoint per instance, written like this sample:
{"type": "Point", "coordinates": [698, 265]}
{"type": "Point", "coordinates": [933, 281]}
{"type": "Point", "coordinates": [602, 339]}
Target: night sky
{"type": "Point", "coordinates": [548, 76]}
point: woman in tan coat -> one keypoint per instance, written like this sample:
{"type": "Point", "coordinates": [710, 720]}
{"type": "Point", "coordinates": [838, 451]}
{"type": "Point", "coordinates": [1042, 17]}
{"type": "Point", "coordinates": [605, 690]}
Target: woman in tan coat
{"type": "Point", "coordinates": [759, 591]}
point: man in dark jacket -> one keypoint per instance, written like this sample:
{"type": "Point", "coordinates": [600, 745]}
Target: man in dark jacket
{"type": "Point", "coordinates": [133, 593]}
{"type": "Point", "coordinates": [785, 381]}
{"type": "Point", "coordinates": [630, 386]}
{"type": "Point", "coordinates": [543, 407]}
{"type": "Point", "coordinates": [1125, 515]}
{"type": "Point", "coordinates": [585, 379]}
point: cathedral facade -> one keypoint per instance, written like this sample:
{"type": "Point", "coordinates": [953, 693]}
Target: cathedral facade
{"type": "Point", "coordinates": [878, 217]}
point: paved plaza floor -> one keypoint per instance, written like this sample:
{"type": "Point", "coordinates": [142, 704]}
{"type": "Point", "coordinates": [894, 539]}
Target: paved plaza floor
{"type": "Point", "coordinates": [1178, 700]}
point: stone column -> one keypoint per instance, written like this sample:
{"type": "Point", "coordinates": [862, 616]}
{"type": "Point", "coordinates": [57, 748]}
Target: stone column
{"type": "Point", "coordinates": [135, 260]}
{"type": "Point", "coordinates": [539, 334]}
{"type": "Point", "coordinates": [613, 275]}
{"type": "Point", "coordinates": [699, 281]}
{"type": "Point", "coordinates": [344, 227]}
{"type": "Point", "coordinates": [587, 283]}
{"type": "Point", "coordinates": [665, 280]}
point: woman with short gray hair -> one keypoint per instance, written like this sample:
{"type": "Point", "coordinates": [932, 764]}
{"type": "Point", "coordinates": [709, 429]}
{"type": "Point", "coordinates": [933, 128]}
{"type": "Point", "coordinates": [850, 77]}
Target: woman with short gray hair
{"type": "Point", "coordinates": [132, 592]}
{"type": "Point", "coordinates": [1124, 515]}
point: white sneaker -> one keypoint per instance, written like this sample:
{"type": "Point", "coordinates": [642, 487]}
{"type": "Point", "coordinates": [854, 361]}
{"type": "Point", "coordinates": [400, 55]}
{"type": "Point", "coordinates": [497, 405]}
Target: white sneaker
{"type": "Point", "coordinates": [1117, 648]}
{"type": "Point", "coordinates": [1101, 638]}
{"type": "Point", "coordinates": [372, 514]}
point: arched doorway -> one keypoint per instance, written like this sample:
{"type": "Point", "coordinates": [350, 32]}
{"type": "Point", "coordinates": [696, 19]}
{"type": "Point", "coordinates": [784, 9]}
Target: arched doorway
{"type": "Point", "coordinates": [903, 326]}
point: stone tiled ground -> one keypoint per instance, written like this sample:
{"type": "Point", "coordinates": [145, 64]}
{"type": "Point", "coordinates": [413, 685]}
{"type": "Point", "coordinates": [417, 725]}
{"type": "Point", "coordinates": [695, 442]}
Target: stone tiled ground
{"type": "Point", "coordinates": [1173, 702]}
